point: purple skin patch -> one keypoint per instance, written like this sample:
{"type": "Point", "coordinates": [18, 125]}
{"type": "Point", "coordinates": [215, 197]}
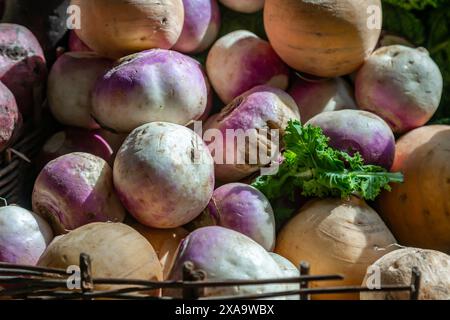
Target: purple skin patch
{"type": "Point", "coordinates": [76, 44]}
{"type": "Point", "coordinates": [201, 26]}
{"type": "Point", "coordinates": [22, 65]}
{"type": "Point", "coordinates": [359, 131]}
{"type": "Point", "coordinates": [242, 208]}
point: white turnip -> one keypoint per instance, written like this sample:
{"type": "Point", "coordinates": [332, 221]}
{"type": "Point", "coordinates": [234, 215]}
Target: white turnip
{"type": "Point", "coordinates": [164, 175]}
{"type": "Point", "coordinates": [402, 85]}
{"type": "Point", "coordinates": [23, 236]}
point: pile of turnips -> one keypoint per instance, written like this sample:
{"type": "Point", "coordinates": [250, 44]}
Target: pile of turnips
{"type": "Point", "coordinates": [127, 180]}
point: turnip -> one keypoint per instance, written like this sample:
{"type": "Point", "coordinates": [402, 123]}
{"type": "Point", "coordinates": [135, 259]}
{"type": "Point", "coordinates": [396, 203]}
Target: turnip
{"type": "Point", "coordinates": [116, 251]}
{"type": "Point", "coordinates": [314, 97]}
{"type": "Point", "coordinates": [241, 60]}
{"type": "Point", "coordinates": [322, 37]}
{"type": "Point", "coordinates": [164, 175]}
{"type": "Point", "coordinates": [154, 85]}
{"type": "Point", "coordinates": [47, 19]}
{"type": "Point", "coordinates": [22, 66]}
{"type": "Point", "coordinates": [74, 190]}
{"type": "Point", "coordinates": [402, 85]}
{"type": "Point", "coordinates": [10, 118]}
{"type": "Point", "coordinates": [201, 26]}
{"type": "Point", "coordinates": [359, 131]}
{"type": "Point", "coordinates": [131, 25]}
{"type": "Point", "coordinates": [261, 108]}
{"type": "Point", "coordinates": [225, 254]}
{"type": "Point", "coordinates": [75, 44]}
{"type": "Point", "coordinates": [242, 208]}
{"type": "Point", "coordinates": [71, 82]}
{"type": "Point", "coordinates": [244, 6]}
{"type": "Point", "coordinates": [114, 140]}
{"type": "Point", "coordinates": [75, 140]}
{"type": "Point", "coordinates": [23, 236]}
{"type": "Point", "coordinates": [164, 241]}
{"type": "Point", "coordinates": [336, 236]}
{"type": "Point", "coordinates": [289, 270]}
{"type": "Point", "coordinates": [395, 268]}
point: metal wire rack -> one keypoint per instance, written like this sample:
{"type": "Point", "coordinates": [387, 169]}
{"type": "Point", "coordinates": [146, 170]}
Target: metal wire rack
{"type": "Point", "coordinates": [30, 282]}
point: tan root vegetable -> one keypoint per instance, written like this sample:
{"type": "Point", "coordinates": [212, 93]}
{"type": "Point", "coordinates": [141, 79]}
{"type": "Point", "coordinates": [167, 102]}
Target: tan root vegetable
{"type": "Point", "coordinates": [395, 268]}
{"type": "Point", "coordinates": [116, 251]}
{"type": "Point", "coordinates": [164, 241]}
{"type": "Point", "coordinates": [117, 28]}
{"type": "Point", "coordinates": [418, 211]}
{"type": "Point", "coordinates": [336, 236]}
{"type": "Point", "coordinates": [322, 37]}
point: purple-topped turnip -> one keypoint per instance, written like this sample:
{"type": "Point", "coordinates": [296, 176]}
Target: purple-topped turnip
{"type": "Point", "coordinates": [201, 26]}
{"type": "Point", "coordinates": [22, 66]}
{"type": "Point", "coordinates": [10, 118]}
{"type": "Point", "coordinates": [225, 254]}
{"type": "Point", "coordinates": [75, 190]}
{"type": "Point", "coordinates": [402, 85]}
{"type": "Point", "coordinates": [71, 83]}
{"type": "Point", "coordinates": [359, 131]}
{"type": "Point", "coordinates": [24, 236]}
{"type": "Point", "coordinates": [241, 60]}
{"type": "Point", "coordinates": [164, 175]}
{"type": "Point", "coordinates": [256, 112]}
{"type": "Point", "coordinates": [154, 85]}
{"type": "Point", "coordinates": [244, 6]}
{"type": "Point", "coordinates": [314, 97]}
{"type": "Point", "coordinates": [242, 208]}
{"type": "Point", "coordinates": [75, 140]}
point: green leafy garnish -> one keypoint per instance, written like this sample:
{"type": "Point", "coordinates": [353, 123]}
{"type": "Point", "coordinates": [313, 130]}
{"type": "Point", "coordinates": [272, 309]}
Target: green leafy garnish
{"type": "Point", "coordinates": [317, 170]}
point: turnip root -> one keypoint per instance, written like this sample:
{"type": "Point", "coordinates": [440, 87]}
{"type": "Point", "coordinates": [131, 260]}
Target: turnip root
{"type": "Point", "coordinates": [114, 140]}
{"type": "Point", "coordinates": [23, 236]}
{"type": "Point", "coordinates": [417, 211]}
{"type": "Point", "coordinates": [154, 85]}
{"type": "Point", "coordinates": [402, 85]}
{"type": "Point", "coordinates": [117, 251]}
{"type": "Point", "coordinates": [261, 108]}
{"type": "Point", "coordinates": [201, 26]}
{"type": "Point", "coordinates": [241, 60]}
{"type": "Point", "coordinates": [47, 19]}
{"type": "Point", "coordinates": [74, 190]}
{"type": "Point", "coordinates": [164, 175]}
{"type": "Point", "coordinates": [336, 236]}
{"type": "Point", "coordinates": [289, 271]}
{"type": "Point", "coordinates": [244, 209]}
{"type": "Point", "coordinates": [322, 37]}
{"type": "Point", "coordinates": [225, 254]}
{"type": "Point", "coordinates": [359, 131]}
{"type": "Point", "coordinates": [314, 97]}
{"type": "Point", "coordinates": [10, 118]}
{"type": "Point", "coordinates": [71, 83]}
{"type": "Point", "coordinates": [22, 66]}
{"type": "Point", "coordinates": [75, 140]}
{"type": "Point", "coordinates": [164, 241]}
{"type": "Point", "coordinates": [132, 25]}
{"type": "Point", "coordinates": [75, 43]}
{"type": "Point", "coordinates": [395, 269]}
{"type": "Point", "coordinates": [244, 6]}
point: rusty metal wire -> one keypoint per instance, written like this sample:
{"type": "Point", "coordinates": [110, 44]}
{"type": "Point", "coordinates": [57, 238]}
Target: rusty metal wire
{"type": "Point", "coordinates": [30, 282]}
